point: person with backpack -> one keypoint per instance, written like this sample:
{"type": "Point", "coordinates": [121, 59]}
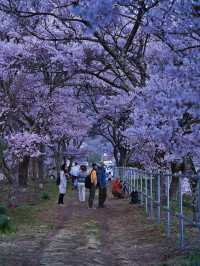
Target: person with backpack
{"type": "Point", "coordinates": [62, 183]}
{"type": "Point", "coordinates": [102, 185]}
{"type": "Point", "coordinates": [93, 184]}
{"type": "Point", "coordinates": [81, 183]}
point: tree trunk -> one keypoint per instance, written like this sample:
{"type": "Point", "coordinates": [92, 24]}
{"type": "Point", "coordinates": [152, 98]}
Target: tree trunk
{"type": "Point", "coordinates": [6, 171]}
{"type": "Point", "coordinates": [115, 153]}
{"type": "Point", "coordinates": [190, 171]}
{"type": "Point", "coordinates": [14, 187]}
{"type": "Point", "coordinates": [174, 187]}
{"type": "Point", "coordinates": [123, 157]}
{"type": "Point", "coordinates": [12, 195]}
{"type": "Point", "coordinates": [23, 171]}
{"type": "Point", "coordinates": [33, 170]}
{"type": "Point", "coordinates": [175, 168]}
{"type": "Point", "coordinates": [163, 196]}
{"type": "Point", "coordinates": [41, 170]}
{"type": "Point", "coordinates": [58, 159]}
{"type": "Point", "coordinates": [71, 159]}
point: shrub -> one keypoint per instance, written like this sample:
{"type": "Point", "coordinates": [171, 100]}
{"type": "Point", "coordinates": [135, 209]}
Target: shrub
{"type": "Point", "coordinates": [3, 209]}
{"type": "Point", "coordinates": [45, 196]}
{"type": "Point", "coordinates": [5, 225]}
{"type": "Point", "coordinates": [192, 260]}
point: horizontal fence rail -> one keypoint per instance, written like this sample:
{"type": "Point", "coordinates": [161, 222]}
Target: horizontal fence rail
{"type": "Point", "coordinates": [156, 197]}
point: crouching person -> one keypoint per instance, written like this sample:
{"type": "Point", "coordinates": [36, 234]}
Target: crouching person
{"type": "Point", "coordinates": [117, 189]}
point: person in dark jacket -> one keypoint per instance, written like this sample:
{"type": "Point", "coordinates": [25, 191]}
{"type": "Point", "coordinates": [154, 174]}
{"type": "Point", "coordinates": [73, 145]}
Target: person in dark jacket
{"type": "Point", "coordinates": [102, 184]}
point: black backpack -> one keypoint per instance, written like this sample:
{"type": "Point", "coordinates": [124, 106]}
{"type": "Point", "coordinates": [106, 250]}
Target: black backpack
{"type": "Point", "coordinates": [134, 197]}
{"type": "Point", "coordinates": [58, 180]}
{"type": "Point", "coordinates": [88, 182]}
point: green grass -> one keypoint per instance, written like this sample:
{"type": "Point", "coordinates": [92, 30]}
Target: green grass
{"type": "Point", "coordinates": [93, 228]}
{"type": "Point", "coordinates": [192, 259]}
{"type": "Point", "coordinates": [3, 209]}
{"type": "Point", "coordinates": [27, 214]}
{"type": "Point", "coordinates": [5, 224]}
{"type": "Point", "coordinates": [45, 195]}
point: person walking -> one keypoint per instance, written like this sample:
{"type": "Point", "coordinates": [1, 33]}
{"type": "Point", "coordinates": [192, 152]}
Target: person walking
{"type": "Point", "coordinates": [102, 184]}
{"type": "Point", "coordinates": [93, 180]}
{"type": "Point", "coordinates": [74, 174]}
{"type": "Point", "coordinates": [81, 183]}
{"type": "Point", "coordinates": [63, 184]}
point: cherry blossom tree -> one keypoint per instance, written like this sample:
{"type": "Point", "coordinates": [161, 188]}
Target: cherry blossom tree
{"type": "Point", "coordinates": [33, 107]}
{"type": "Point", "coordinates": [139, 59]}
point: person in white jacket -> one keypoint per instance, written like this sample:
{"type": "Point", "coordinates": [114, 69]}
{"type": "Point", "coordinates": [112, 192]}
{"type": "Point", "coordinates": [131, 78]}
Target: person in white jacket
{"type": "Point", "coordinates": [63, 183]}
{"type": "Point", "coordinates": [81, 183]}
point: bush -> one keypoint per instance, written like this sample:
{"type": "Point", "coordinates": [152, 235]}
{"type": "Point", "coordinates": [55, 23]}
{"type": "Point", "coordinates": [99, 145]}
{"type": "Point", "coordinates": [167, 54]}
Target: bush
{"type": "Point", "coordinates": [194, 260]}
{"type": "Point", "coordinates": [45, 196]}
{"type": "Point", "coordinates": [3, 209]}
{"type": "Point", "coordinates": [5, 225]}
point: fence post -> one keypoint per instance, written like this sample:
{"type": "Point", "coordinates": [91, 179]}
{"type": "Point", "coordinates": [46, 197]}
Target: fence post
{"type": "Point", "coordinates": [181, 221]}
{"type": "Point", "coordinates": [198, 201]}
{"type": "Point", "coordinates": [151, 196]}
{"type": "Point", "coordinates": [131, 178]}
{"type": "Point", "coordinates": [134, 186]}
{"type": "Point", "coordinates": [146, 194]}
{"type": "Point", "coordinates": [158, 198]}
{"type": "Point", "coordinates": [141, 190]}
{"type": "Point", "coordinates": [168, 207]}
{"type": "Point", "coordinates": [137, 182]}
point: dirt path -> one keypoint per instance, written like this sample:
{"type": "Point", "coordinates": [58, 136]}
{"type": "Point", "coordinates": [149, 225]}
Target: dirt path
{"type": "Point", "coordinates": [115, 236]}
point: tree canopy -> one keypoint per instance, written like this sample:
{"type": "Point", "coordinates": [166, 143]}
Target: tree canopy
{"type": "Point", "coordinates": [125, 70]}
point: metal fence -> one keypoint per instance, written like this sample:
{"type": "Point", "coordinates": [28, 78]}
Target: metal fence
{"type": "Point", "coordinates": [154, 194]}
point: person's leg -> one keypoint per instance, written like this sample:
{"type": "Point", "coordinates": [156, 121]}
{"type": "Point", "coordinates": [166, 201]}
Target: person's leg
{"type": "Point", "coordinates": [72, 182]}
{"type": "Point", "coordinates": [104, 195]}
{"type": "Point", "coordinates": [100, 197]}
{"type": "Point", "coordinates": [83, 192]}
{"type": "Point", "coordinates": [59, 198]}
{"type": "Point", "coordinates": [91, 196]}
{"type": "Point", "coordinates": [79, 191]}
{"type": "Point", "coordinates": [79, 187]}
{"type": "Point", "coordinates": [90, 203]}
{"type": "Point", "coordinates": [62, 201]}
{"type": "Point", "coordinates": [75, 182]}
